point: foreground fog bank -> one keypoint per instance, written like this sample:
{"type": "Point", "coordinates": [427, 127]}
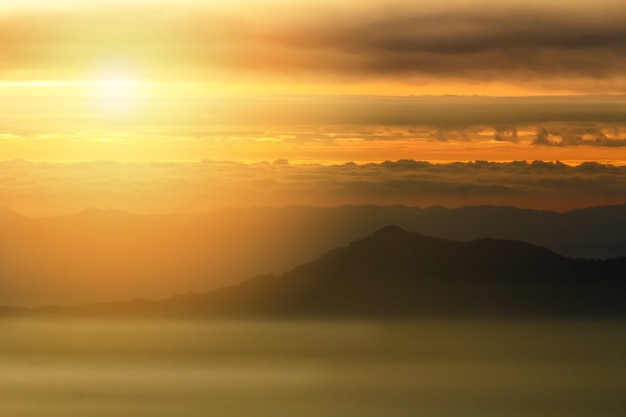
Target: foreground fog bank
{"type": "Point", "coordinates": [294, 368]}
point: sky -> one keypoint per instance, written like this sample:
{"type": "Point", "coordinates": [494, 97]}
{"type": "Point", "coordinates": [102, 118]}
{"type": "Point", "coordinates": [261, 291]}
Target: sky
{"type": "Point", "coordinates": [92, 90]}
{"type": "Point", "coordinates": [366, 47]}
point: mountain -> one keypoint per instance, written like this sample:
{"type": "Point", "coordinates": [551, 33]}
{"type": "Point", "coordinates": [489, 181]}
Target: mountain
{"type": "Point", "coordinates": [102, 255]}
{"type": "Point", "coordinates": [395, 273]}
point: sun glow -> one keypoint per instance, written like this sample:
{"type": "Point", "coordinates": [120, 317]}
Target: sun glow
{"type": "Point", "coordinates": [117, 89]}
{"type": "Point", "coordinates": [117, 95]}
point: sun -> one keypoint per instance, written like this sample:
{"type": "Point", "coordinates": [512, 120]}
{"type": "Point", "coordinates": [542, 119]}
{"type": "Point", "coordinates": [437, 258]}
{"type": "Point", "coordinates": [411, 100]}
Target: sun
{"type": "Point", "coordinates": [117, 95]}
{"type": "Point", "coordinates": [117, 89]}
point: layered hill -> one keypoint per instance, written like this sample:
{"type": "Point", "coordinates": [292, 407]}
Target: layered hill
{"type": "Point", "coordinates": [394, 273]}
{"type": "Point", "coordinates": [102, 255]}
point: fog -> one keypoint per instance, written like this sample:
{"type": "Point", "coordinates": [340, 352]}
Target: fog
{"type": "Point", "coordinates": [429, 368]}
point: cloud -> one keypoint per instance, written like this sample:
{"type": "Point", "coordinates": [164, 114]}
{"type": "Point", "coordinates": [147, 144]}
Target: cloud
{"type": "Point", "coordinates": [545, 43]}
{"type": "Point", "coordinates": [226, 116]}
{"type": "Point", "coordinates": [471, 40]}
{"type": "Point", "coordinates": [505, 134]}
{"type": "Point", "coordinates": [276, 140]}
{"type": "Point", "coordinates": [53, 188]}
{"type": "Point", "coordinates": [573, 136]}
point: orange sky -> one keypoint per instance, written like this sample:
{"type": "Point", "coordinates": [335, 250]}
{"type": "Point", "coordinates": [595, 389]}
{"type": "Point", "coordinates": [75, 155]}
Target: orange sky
{"type": "Point", "coordinates": [397, 47]}
{"type": "Point", "coordinates": [143, 80]}
{"type": "Point", "coordinates": [189, 106]}
{"type": "Point", "coordinates": [310, 82]}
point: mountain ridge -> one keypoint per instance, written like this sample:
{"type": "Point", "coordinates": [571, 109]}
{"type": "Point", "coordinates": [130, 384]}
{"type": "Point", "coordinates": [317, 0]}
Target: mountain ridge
{"type": "Point", "coordinates": [393, 273]}
{"type": "Point", "coordinates": [72, 259]}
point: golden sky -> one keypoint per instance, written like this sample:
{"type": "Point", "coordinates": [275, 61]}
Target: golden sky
{"type": "Point", "coordinates": [119, 71]}
{"type": "Point", "coordinates": [312, 81]}
{"type": "Point", "coordinates": [365, 47]}
{"type": "Point", "coordinates": [190, 106]}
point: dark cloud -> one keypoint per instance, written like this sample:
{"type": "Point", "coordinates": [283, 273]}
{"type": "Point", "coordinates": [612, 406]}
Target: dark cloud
{"type": "Point", "coordinates": [518, 42]}
{"type": "Point", "coordinates": [446, 113]}
{"type": "Point", "coordinates": [473, 41]}
{"type": "Point", "coordinates": [505, 134]}
{"type": "Point", "coordinates": [573, 136]}
{"type": "Point", "coordinates": [543, 44]}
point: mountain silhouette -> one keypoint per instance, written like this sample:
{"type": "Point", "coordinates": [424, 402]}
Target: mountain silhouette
{"type": "Point", "coordinates": [395, 273]}
{"type": "Point", "coordinates": [102, 255]}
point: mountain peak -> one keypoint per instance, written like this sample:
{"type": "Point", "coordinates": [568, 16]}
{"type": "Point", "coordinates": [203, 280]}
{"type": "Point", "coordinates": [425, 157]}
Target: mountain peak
{"type": "Point", "coordinates": [393, 236]}
{"type": "Point", "coordinates": [395, 273]}
{"type": "Point", "coordinates": [392, 230]}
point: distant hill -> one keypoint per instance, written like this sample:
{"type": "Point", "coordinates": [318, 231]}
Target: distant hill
{"type": "Point", "coordinates": [394, 273]}
{"type": "Point", "coordinates": [102, 255]}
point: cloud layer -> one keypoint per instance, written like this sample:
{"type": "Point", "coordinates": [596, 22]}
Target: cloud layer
{"type": "Point", "coordinates": [546, 44]}
{"type": "Point", "coordinates": [48, 188]}
{"type": "Point", "coordinates": [318, 129]}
